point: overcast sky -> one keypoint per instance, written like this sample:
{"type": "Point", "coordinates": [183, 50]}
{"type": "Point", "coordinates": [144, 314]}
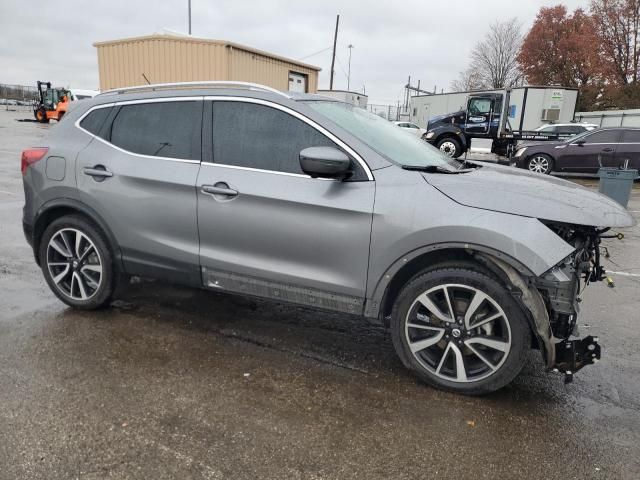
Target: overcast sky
{"type": "Point", "coordinates": [429, 40]}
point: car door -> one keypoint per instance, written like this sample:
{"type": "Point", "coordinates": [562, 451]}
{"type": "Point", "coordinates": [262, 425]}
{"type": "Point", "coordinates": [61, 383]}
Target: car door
{"type": "Point", "coordinates": [628, 151]}
{"type": "Point", "coordinates": [587, 153]}
{"type": "Point", "coordinates": [266, 228]}
{"type": "Point", "coordinates": [479, 115]}
{"type": "Point", "coordinates": [139, 174]}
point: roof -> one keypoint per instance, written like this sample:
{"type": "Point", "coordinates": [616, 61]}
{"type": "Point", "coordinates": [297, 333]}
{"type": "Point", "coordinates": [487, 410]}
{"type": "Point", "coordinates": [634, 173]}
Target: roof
{"type": "Point", "coordinates": [190, 39]}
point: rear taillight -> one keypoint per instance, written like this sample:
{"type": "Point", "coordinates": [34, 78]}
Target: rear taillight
{"type": "Point", "coordinates": [31, 156]}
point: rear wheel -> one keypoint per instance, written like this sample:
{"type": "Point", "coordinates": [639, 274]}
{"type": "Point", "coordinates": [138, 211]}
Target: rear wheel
{"type": "Point", "coordinates": [460, 330]}
{"type": "Point", "coordinates": [450, 147]}
{"type": "Point", "coordinates": [77, 263]}
{"type": "Point", "coordinates": [540, 163]}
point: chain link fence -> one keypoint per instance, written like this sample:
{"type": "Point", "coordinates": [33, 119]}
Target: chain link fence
{"type": "Point", "coordinates": [17, 97]}
{"type": "Point", "coordinates": [389, 112]}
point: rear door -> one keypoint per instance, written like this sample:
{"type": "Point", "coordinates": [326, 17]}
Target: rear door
{"type": "Point", "coordinates": [139, 174]}
{"type": "Point", "coordinates": [271, 230]}
{"type": "Point", "coordinates": [628, 151]}
{"type": "Point", "coordinates": [599, 148]}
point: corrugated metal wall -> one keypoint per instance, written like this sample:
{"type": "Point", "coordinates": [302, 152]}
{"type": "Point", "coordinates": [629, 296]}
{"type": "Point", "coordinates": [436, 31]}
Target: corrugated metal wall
{"type": "Point", "coordinates": [253, 67]}
{"type": "Point", "coordinates": [165, 59]}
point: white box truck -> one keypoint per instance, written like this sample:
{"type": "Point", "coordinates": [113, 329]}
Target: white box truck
{"type": "Point", "coordinates": [505, 116]}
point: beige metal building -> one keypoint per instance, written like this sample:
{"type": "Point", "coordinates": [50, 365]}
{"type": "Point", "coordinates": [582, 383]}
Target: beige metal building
{"type": "Point", "coordinates": [175, 58]}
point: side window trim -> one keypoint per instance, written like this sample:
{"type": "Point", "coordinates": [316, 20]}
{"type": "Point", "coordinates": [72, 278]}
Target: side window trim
{"type": "Point", "coordinates": [135, 102]}
{"type": "Point", "coordinates": [299, 116]}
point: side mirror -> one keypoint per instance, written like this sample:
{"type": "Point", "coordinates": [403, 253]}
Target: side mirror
{"type": "Point", "coordinates": [324, 162]}
{"type": "Point", "coordinates": [580, 142]}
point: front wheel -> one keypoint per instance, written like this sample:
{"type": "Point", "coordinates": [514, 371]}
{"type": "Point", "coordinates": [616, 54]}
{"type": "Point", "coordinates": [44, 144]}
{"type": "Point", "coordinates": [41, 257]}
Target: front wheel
{"type": "Point", "coordinates": [459, 329]}
{"type": "Point", "coordinates": [77, 263]}
{"type": "Point", "coordinates": [540, 163]}
{"type": "Point", "coordinates": [450, 147]}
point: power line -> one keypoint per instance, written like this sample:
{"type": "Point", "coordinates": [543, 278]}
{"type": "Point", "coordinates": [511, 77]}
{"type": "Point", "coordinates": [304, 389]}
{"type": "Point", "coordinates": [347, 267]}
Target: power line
{"type": "Point", "coordinates": [316, 53]}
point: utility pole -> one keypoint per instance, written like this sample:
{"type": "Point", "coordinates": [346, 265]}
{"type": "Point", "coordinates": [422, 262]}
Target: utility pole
{"type": "Point", "coordinates": [349, 71]}
{"type": "Point", "coordinates": [333, 57]}
{"type": "Point", "coordinates": [189, 17]}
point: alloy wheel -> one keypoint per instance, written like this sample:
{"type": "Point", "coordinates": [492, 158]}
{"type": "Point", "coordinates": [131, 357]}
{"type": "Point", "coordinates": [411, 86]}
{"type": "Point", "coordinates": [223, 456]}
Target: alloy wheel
{"type": "Point", "coordinates": [458, 333]}
{"type": "Point", "coordinates": [74, 264]}
{"type": "Point", "coordinates": [539, 164]}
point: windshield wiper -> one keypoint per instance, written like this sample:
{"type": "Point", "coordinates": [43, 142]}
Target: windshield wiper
{"type": "Point", "coordinates": [433, 169]}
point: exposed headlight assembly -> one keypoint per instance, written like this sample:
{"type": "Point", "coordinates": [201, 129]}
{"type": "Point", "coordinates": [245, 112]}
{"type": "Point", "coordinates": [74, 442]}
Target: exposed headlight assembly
{"type": "Point", "coordinates": [430, 134]}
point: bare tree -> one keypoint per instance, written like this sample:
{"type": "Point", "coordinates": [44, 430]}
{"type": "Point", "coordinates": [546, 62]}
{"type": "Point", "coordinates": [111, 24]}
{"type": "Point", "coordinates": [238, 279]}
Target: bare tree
{"type": "Point", "coordinates": [494, 59]}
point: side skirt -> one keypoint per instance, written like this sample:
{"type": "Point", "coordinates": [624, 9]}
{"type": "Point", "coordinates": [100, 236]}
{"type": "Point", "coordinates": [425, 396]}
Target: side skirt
{"type": "Point", "coordinates": [231, 282]}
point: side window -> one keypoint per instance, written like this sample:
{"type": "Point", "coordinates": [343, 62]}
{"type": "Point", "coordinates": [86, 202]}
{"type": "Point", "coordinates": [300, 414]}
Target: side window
{"type": "Point", "coordinates": [549, 129]}
{"type": "Point", "coordinates": [479, 106]}
{"type": "Point", "coordinates": [94, 121]}
{"type": "Point", "coordinates": [163, 129]}
{"type": "Point", "coordinates": [604, 136]}
{"type": "Point", "coordinates": [631, 136]}
{"type": "Point", "coordinates": [257, 136]}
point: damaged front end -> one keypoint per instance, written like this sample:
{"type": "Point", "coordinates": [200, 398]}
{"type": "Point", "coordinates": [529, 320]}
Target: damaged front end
{"type": "Point", "coordinates": [561, 289]}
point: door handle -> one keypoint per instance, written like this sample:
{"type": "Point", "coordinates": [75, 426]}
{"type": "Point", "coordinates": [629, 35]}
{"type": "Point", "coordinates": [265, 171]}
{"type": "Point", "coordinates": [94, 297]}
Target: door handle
{"type": "Point", "coordinates": [608, 149]}
{"type": "Point", "coordinates": [219, 189]}
{"type": "Point", "coordinates": [97, 171]}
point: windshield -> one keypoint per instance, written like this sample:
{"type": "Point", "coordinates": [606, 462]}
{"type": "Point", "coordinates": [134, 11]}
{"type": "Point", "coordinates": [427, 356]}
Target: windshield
{"type": "Point", "coordinates": [383, 136]}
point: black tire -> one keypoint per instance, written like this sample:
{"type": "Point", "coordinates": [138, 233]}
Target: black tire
{"type": "Point", "coordinates": [450, 146]}
{"type": "Point", "coordinates": [512, 325]}
{"type": "Point", "coordinates": [540, 163]}
{"type": "Point", "coordinates": [41, 115]}
{"type": "Point", "coordinates": [100, 255]}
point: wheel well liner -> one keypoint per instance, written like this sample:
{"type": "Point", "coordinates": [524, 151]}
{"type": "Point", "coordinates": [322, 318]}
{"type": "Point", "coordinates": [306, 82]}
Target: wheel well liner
{"type": "Point", "coordinates": [393, 282]}
{"type": "Point", "coordinates": [67, 206]}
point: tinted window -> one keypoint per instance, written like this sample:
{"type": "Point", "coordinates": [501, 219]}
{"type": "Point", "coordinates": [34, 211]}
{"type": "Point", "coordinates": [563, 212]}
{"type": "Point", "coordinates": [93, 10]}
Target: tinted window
{"type": "Point", "coordinates": [605, 136]}
{"type": "Point", "coordinates": [257, 136]}
{"type": "Point", "coordinates": [631, 136]}
{"type": "Point", "coordinates": [94, 121]}
{"type": "Point", "coordinates": [549, 129]}
{"type": "Point", "coordinates": [167, 129]}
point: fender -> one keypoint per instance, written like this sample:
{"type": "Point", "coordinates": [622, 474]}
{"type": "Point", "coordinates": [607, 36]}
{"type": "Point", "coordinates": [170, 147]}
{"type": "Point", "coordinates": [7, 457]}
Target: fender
{"type": "Point", "coordinates": [375, 299]}
{"type": "Point", "coordinates": [80, 207]}
{"type": "Point", "coordinates": [448, 130]}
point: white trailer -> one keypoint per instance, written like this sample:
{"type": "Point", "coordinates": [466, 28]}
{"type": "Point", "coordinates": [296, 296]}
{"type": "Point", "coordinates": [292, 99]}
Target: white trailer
{"type": "Point", "coordinates": [529, 107]}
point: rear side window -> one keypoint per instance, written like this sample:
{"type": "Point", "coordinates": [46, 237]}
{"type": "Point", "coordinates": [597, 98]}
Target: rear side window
{"type": "Point", "coordinates": [631, 136]}
{"type": "Point", "coordinates": [605, 136]}
{"type": "Point", "coordinates": [257, 136]}
{"type": "Point", "coordinates": [95, 120]}
{"type": "Point", "coordinates": [163, 129]}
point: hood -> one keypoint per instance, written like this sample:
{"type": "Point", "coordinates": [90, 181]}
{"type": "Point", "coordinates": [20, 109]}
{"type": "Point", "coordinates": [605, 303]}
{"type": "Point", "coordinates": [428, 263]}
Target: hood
{"type": "Point", "coordinates": [538, 143]}
{"type": "Point", "coordinates": [446, 118]}
{"type": "Point", "coordinates": [519, 192]}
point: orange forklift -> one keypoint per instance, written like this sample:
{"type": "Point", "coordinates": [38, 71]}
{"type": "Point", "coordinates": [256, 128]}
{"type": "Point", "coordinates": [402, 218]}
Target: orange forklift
{"type": "Point", "coordinates": [52, 104]}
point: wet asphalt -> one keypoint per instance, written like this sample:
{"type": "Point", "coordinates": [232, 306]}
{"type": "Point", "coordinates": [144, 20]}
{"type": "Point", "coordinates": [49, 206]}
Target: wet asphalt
{"type": "Point", "coordinates": [177, 383]}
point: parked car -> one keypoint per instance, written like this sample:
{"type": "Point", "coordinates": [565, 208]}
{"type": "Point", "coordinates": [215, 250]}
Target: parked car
{"type": "Point", "coordinates": [247, 190]}
{"type": "Point", "coordinates": [584, 153]}
{"type": "Point", "coordinates": [566, 128]}
{"type": "Point", "coordinates": [412, 128]}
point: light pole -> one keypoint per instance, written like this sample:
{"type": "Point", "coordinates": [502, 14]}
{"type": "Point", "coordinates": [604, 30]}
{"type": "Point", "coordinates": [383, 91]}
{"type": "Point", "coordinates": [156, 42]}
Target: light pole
{"type": "Point", "coordinates": [189, 17]}
{"type": "Point", "coordinates": [349, 71]}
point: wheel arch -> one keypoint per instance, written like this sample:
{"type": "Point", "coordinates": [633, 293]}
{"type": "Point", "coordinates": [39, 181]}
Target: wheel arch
{"type": "Point", "coordinates": [60, 207]}
{"type": "Point", "coordinates": [380, 303]}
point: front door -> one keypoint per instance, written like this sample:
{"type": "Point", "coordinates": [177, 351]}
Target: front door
{"type": "Point", "coordinates": [139, 174]}
{"type": "Point", "coordinates": [479, 115]}
{"type": "Point", "coordinates": [590, 152]}
{"type": "Point", "coordinates": [267, 229]}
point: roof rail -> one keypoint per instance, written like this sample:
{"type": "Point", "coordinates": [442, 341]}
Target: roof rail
{"type": "Point", "coordinates": [212, 83]}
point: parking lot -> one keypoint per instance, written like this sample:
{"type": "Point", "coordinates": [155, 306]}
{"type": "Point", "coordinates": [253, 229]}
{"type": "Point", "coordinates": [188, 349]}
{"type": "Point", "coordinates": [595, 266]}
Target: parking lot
{"type": "Point", "coordinates": [178, 383]}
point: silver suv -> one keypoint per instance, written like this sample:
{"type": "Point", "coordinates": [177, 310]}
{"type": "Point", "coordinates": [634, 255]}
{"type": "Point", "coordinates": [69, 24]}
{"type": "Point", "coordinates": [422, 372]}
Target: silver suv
{"type": "Point", "coordinates": [244, 189]}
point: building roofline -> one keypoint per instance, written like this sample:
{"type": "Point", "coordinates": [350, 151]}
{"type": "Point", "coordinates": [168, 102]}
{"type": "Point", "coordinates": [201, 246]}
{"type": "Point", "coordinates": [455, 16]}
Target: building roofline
{"type": "Point", "coordinates": [492, 90]}
{"type": "Point", "coordinates": [186, 38]}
